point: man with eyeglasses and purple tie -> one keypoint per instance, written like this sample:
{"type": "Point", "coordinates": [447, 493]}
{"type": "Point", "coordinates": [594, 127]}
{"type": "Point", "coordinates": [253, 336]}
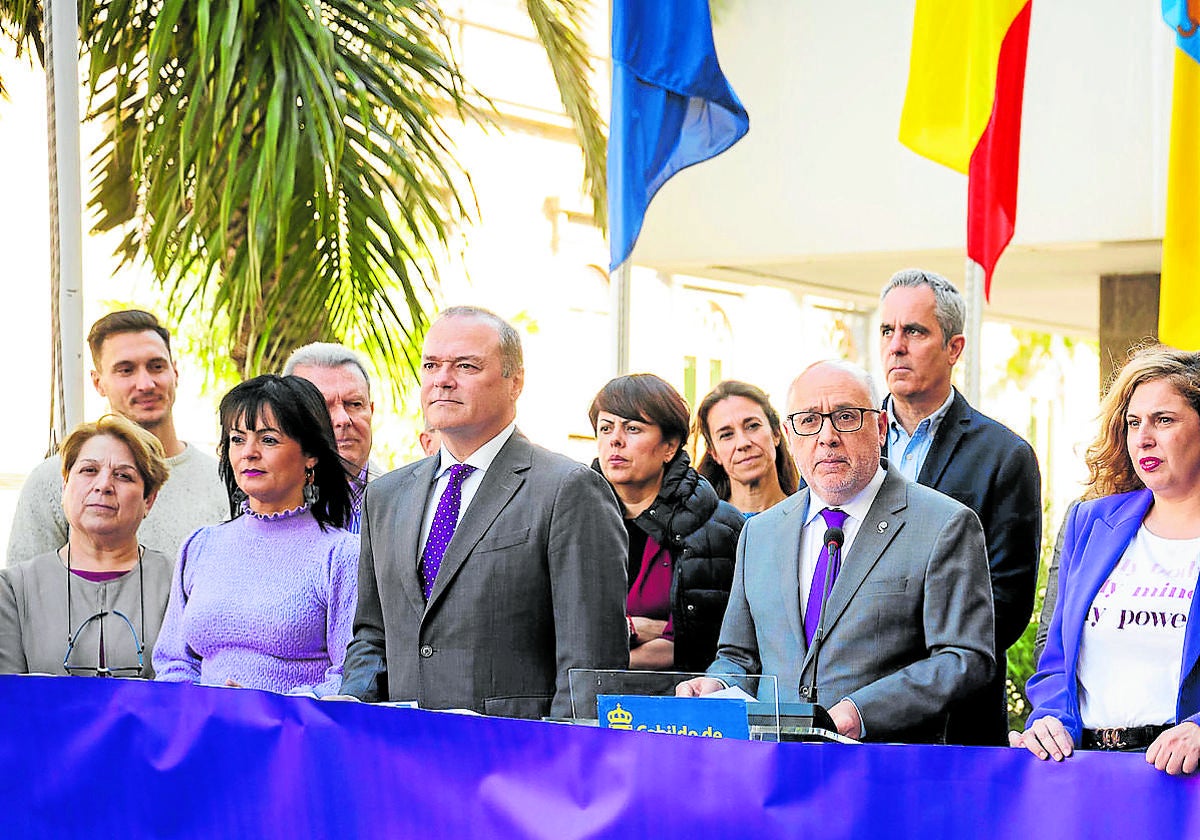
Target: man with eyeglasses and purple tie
{"type": "Point", "coordinates": [907, 624]}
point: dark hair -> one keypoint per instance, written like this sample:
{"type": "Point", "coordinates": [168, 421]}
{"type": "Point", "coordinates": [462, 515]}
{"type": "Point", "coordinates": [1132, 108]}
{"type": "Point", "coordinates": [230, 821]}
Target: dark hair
{"type": "Point", "coordinates": [300, 411]}
{"type": "Point", "coordinates": [645, 397]}
{"type": "Point", "coordinates": [125, 321]}
{"type": "Point", "coordinates": [785, 467]}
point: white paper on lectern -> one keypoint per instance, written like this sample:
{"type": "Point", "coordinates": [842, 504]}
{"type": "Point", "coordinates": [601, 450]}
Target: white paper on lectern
{"type": "Point", "coordinates": [734, 692]}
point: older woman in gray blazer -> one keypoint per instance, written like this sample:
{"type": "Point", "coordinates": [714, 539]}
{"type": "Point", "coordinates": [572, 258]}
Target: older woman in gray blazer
{"type": "Point", "coordinates": [94, 606]}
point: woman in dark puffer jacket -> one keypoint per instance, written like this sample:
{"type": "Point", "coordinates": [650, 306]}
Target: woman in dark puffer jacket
{"type": "Point", "coordinates": [682, 537]}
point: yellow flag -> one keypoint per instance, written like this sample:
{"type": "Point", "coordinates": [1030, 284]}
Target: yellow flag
{"type": "Point", "coordinates": [952, 76]}
{"type": "Point", "coordinates": [1179, 288]}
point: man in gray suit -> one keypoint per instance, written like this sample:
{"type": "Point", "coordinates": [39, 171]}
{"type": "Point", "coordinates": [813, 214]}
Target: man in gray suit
{"type": "Point", "coordinates": [908, 624]}
{"type": "Point", "coordinates": [489, 608]}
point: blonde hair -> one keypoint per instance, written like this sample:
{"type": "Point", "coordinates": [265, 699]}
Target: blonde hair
{"type": "Point", "coordinates": [147, 450]}
{"type": "Point", "coordinates": [1109, 466]}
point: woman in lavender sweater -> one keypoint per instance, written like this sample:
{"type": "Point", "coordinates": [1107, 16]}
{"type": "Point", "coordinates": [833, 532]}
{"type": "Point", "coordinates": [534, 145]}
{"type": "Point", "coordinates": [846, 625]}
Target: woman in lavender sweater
{"type": "Point", "coordinates": [267, 599]}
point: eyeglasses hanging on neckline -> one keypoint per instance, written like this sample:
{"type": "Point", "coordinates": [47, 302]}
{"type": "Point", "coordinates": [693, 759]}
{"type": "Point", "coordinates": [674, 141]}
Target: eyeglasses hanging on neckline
{"type": "Point", "coordinates": [102, 668]}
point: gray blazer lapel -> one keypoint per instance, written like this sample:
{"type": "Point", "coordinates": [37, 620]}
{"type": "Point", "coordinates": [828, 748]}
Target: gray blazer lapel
{"type": "Point", "coordinates": [500, 483]}
{"type": "Point", "coordinates": [788, 550]}
{"type": "Point", "coordinates": [405, 529]}
{"type": "Point", "coordinates": [869, 545]}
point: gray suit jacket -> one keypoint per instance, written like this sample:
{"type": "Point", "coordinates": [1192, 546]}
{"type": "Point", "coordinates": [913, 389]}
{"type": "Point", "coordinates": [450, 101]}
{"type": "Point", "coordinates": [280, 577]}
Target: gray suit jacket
{"type": "Point", "coordinates": [909, 624]}
{"type": "Point", "coordinates": [532, 585]}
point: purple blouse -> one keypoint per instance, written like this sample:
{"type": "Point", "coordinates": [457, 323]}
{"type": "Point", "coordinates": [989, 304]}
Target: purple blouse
{"type": "Point", "coordinates": [267, 602]}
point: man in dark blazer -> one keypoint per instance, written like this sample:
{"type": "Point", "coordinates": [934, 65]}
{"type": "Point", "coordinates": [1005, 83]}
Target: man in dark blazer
{"type": "Point", "coordinates": [936, 438]}
{"type": "Point", "coordinates": [532, 579]}
{"type": "Point", "coordinates": [908, 623]}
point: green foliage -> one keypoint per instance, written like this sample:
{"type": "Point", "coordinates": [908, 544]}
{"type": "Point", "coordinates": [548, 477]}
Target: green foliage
{"type": "Point", "coordinates": [282, 160]}
{"type": "Point", "coordinates": [283, 164]}
{"type": "Point", "coordinates": [1021, 664]}
{"type": "Point", "coordinates": [559, 26]}
{"type": "Point", "coordinates": [21, 22]}
{"type": "Point", "coordinates": [1037, 351]}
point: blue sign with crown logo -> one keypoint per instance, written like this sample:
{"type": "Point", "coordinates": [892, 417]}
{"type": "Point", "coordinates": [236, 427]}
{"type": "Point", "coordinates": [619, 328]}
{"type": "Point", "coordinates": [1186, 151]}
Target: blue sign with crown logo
{"type": "Point", "coordinates": [705, 718]}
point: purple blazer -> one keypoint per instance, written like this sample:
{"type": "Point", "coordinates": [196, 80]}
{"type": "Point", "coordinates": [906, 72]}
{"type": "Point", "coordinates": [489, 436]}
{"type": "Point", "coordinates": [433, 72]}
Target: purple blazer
{"type": "Point", "coordinates": [1098, 532]}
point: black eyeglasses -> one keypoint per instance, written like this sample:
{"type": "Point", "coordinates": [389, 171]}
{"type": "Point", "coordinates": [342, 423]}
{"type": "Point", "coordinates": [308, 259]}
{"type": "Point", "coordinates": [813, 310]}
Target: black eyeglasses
{"type": "Point", "coordinates": [101, 668]}
{"type": "Point", "coordinates": [808, 423]}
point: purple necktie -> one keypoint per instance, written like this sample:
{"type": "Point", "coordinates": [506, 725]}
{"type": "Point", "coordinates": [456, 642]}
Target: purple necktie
{"type": "Point", "coordinates": [445, 520]}
{"type": "Point", "coordinates": [812, 613]}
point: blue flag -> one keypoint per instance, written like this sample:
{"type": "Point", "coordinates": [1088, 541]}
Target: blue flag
{"type": "Point", "coordinates": [1179, 15]}
{"type": "Point", "coordinates": [671, 107]}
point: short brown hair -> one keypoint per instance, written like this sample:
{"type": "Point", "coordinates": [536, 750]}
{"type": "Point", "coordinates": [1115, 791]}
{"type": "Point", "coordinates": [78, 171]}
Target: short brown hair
{"type": "Point", "coordinates": [645, 397]}
{"type": "Point", "coordinates": [124, 321]}
{"type": "Point", "coordinates": [1109, 467]}
{"type": "Point", "coordinates": [147, 450]}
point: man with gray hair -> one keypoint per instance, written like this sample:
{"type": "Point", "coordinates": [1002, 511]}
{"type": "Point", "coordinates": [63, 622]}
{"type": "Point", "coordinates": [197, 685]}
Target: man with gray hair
{"type": "Point", "coordinates": [936, 438]}
{"type": "Point", "coordinates": [341, 377]}
{"type": "Point", "coordinates": [906, 629]}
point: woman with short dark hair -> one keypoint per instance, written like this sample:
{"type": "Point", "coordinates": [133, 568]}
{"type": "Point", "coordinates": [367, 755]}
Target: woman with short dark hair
{"type": "Point", "coordinates": [267, 599]}
{"type": "Point", "coordinates": [682, 538]}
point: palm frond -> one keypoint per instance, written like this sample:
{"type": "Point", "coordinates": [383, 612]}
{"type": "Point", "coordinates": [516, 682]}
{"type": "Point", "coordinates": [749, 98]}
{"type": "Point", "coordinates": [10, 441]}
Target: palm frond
{"type": "Point", "coordinates": [283, 160]}
{"type": "Point", "coordinates": [21, 22]}
{"type": "Point", "coordinates": [559, 26]}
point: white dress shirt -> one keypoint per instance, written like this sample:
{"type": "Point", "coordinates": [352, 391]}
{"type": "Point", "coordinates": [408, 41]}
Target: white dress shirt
{"type": "Point", "coordinates": [813, 534]}
{"type": "Point", "coordinates": [812, 537]}
{"type": "Point", "coordinates": [481, 459]}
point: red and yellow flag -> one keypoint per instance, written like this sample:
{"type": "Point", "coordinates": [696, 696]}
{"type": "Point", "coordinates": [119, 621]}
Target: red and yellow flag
{"type": "Point", "coordinates": [966, 82]}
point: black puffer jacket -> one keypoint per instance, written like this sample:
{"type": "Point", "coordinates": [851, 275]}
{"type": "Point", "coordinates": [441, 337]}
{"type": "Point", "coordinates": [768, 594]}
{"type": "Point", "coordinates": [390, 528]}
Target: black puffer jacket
{"type": "Point", "coordinates": [700, 531]}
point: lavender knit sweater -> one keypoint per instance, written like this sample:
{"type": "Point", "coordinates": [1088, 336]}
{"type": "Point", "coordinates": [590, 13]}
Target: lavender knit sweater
{"type": "Point", "coordinates": [267, 602]}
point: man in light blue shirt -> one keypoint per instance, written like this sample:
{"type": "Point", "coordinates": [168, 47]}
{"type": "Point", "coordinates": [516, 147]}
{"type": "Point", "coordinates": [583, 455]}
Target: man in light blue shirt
{"type": "Point", "coordinates": [937, 439]}
{"type": "Point", "coordinates": [908, 452]}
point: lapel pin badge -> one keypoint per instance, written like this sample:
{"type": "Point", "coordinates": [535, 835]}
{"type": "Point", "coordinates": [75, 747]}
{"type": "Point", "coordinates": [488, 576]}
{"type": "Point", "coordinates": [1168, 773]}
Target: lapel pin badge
{"type": "Point", "coordinates": [882, 527]}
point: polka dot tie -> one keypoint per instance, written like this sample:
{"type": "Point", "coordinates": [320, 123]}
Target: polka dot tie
{"type": "Point", "coordinates": [445, 520]}
{"type": "Point", "coordinates": [825, 569]}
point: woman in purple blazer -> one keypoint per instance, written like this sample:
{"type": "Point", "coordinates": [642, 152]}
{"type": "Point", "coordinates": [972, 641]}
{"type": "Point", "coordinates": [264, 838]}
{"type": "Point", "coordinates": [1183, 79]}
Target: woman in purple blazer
{"type": "Point", "coordinates": [1120, 666]}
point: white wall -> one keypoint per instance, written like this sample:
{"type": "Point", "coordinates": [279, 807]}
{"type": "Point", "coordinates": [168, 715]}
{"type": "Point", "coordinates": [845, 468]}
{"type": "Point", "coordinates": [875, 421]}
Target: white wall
{"type": "Point", "coordinates": [822, 170]}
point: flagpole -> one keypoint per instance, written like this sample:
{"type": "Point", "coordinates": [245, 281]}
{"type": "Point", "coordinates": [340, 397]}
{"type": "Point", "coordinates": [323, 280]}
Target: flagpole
{"type": "Point", "coordinates": [619, 295]}
{"type": "Point", "coordinates": [664, 62]}
{"type": "Point", "coordinates": [62, 45]}
{"type": "Point", "coordinates": [974, 328]}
